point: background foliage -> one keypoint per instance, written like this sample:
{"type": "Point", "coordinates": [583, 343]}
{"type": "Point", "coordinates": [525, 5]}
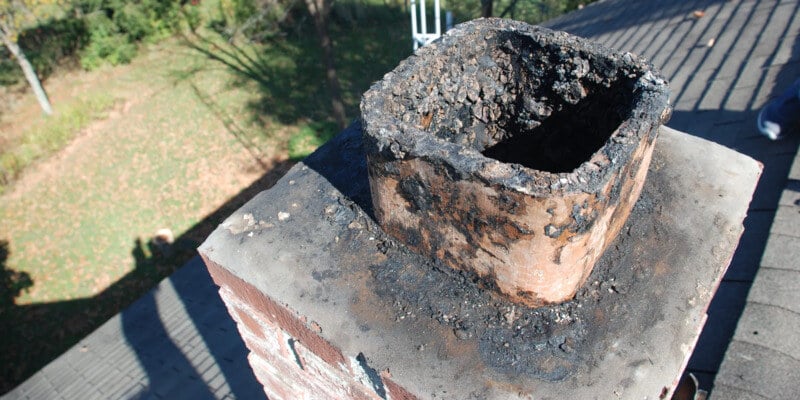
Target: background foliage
{"type": "Point", "coordinates": [115, 27]}
{"type": "Point", "coordinates": [531, 11]}
{"type": "Point", "coordinates": [93, 33]}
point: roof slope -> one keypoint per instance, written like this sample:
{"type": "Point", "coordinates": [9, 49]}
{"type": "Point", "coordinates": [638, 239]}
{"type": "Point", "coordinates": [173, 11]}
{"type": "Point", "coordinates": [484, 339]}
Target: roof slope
{"type": "Point", "coordinates": [725, 60]}
{"type": "Point", "coordinates": [176, 342]}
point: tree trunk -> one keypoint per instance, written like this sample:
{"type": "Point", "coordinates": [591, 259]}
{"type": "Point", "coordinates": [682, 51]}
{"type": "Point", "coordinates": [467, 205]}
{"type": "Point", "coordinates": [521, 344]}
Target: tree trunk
{"type": "Point", "coordinates": [510, 9]}
{"type": "Point", "coordinates": [319, 11]}
{"type": "Point", "coordinates": [27, 69]}
{"type": "Point", "coordinates": [486, 8]}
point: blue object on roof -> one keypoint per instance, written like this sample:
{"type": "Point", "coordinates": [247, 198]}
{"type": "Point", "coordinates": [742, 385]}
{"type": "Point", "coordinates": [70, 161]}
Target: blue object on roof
{"type": "Point", "coordinates": [781, 115]}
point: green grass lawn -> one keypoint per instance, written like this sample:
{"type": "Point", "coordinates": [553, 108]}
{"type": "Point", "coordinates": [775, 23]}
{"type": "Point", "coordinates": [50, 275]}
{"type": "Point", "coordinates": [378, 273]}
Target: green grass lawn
{"type": "Point", "coordinates": [180, 133]}
{"type": "Point", "coordinates": [49, 135]}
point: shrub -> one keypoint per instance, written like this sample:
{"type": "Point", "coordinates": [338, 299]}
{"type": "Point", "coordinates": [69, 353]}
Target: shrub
{"type": "Point", "coordinates": [112, 50]}
{"type": "Point", "coordinates": [116, 27]}
{"type": "Point", "coordinates": [533, 11]}
{"type": "Point", "coordinates": [133, 21]}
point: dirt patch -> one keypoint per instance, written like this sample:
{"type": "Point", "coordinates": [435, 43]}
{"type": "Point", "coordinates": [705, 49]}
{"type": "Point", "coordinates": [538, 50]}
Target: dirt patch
{"type": "Point", "coordinates": [19, 109]}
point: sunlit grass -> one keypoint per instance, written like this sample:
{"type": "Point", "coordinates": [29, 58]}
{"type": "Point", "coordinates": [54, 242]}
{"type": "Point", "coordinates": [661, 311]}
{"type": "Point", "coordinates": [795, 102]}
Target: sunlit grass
{"type": "Point", "coordinates": [50, 134]}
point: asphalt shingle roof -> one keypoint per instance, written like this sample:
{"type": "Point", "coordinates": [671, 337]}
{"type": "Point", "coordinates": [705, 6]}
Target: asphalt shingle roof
{"type": "Point", "coordinates": [725, 60]}
{"type": "Point", "coordinates": [176, 342]}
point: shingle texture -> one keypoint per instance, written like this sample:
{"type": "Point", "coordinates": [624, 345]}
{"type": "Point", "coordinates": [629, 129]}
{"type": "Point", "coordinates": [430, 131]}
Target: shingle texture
{"type": "Point", "coordinates": [725, 60]}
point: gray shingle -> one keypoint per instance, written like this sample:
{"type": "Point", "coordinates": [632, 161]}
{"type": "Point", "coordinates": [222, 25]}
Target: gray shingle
{"type": "Point", "coordinates": [725, 392]}
{"type": "Point", "coordinates": [770, 326]}
{"type": "Point", "coordinates": [760, 371]}
{"type": "Point", "coordinates": [778, 287]}
{"type": "Point", "coordinates": [718, 92]}
{"type": "Point", "coordinates": [782, 252]}
{"type": "Point", "coordinates": [787, 221]}
{"type": "Point", "coordinates": [133, 355]}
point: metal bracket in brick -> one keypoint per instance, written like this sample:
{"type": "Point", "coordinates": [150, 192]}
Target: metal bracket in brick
{"type": "Point", "coordinates": [512, 151]}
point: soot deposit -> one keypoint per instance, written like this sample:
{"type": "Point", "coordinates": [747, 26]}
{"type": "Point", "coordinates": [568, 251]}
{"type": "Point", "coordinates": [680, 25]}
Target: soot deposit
{"type": "Point", "coordinates": [549, 342]}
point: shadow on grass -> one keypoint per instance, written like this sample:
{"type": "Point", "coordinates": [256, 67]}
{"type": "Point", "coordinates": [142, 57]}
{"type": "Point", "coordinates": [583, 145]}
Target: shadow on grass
{"type": "Point", "coordinates": [49, 45]}
{"type": "Point", "coordinates": [288, 70]}
{"type": "Point", "coordinates": [12, 283]}
{"type": "Point", "coordinates": [232, 126]}
{"type": "Point", "coordinates": [33, 335]}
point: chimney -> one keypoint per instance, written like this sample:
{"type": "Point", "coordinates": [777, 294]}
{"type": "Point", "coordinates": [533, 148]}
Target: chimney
{"type": "Point", "coordinates": [441, 249]}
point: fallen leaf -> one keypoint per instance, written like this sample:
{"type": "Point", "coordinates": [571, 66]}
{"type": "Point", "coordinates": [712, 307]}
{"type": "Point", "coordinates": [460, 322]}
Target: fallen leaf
{"type": "Point", "coordinates": [699, 14]}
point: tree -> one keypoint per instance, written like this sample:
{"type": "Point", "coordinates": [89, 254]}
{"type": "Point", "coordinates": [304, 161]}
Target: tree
{"type": "Point", "coordinates": [14, 14]}
{"type": "Point", "coordinates": [486, 8]}
{"type": "Point", "coordinates": [320, 10]}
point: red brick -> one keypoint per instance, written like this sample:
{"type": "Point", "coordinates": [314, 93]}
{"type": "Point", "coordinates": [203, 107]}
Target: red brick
{"type": "Point", "coordinates": [396, 392]}
{"type": "Point", "coordinates": [288, 320]}
{"type": "Point", "coordinates": [244, 319]}
{"type": "Point", "coordinates": [534, 232]}
{"type": "Point", "coordinates": [340, 384]}
{"type": "Point", "coordinates": [268, 336]}
{"type": "Point", "coordinates": [313, 369]}
{"type": "Point", "coordinates": [276, 388]}
{"type": "Point", "coordinates": [259, 347]}
{"type": "Point", "coordinates": [359, 392]}
{"type": "Point", "coordinates": [285, 377]}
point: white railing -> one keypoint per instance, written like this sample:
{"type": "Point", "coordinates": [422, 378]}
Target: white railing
{"type": "Point", "coordinates": [420, 34]}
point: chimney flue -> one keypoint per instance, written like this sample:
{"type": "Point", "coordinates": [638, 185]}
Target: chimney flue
{"type": "Point", "coordinates": [513, 152]}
